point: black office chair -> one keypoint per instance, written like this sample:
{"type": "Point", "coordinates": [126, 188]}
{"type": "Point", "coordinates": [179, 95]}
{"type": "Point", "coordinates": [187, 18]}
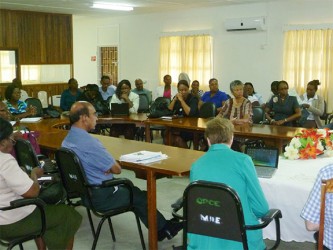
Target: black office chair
{"type": "Point", "coordinates": [28, 159]}
{"type": "Point", "coordinates": [36, 103]}
{"type": "Point", "coordinates": [143, 103]}
{"type": "Point", "coordinates": [325, 116]}
{"type": "Point", "coordinates": [207, 110]}
{"type": "Point", "coordinates": [258, 115]}
{"type": "Point", "coordinates": [219, 200]}
{"type": "Point", "coordinates": [76, 184]}
{"type": "Point", "coordinates": [10, 244]}
{"type": "Point", "coordinates": [160, 102]}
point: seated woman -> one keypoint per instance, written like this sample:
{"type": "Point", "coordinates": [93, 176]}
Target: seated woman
{"type": "Point", "coordinates": [124, 94]}
{"type": "Point", "coordinates": [282, 109]}
{"type": "Point", "coordinates": [237, 109]}
{"type": "Point", "coordinates": [313, 106]}
{"type": "Point", "coordinates": [252, 95]}
{"type": "Point", "coordinates": [238, 172]}
{"type": "Point", "coordinates": [184, 104]}
{"type": "Point", "coordinates": [62, 221]}
{"type": "Point", "coordinates": [69, 96]}
{"type": "Point", "coordinates": [167, 91]}
{"type": "Point", "coordinates": [16, 107]}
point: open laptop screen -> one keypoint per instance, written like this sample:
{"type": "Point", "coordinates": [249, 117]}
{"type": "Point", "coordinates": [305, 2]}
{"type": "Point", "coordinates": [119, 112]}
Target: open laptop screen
{"type": "Point", "coordinates": [263, 157]}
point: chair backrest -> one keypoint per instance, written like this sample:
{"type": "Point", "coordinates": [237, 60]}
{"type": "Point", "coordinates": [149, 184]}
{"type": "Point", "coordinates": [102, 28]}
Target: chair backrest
{"type": "Point", "coordinates": [258, 114]}
{"type": "Point", "coordinates": [143, 103]}
{"type": "Point", "coordinates": [26, 155]}
{"type": "Point", "coordinates": [324, 115]}
{"type": "Point", "coordinates": [207, 110]}
{"type": "Point", "coordinates": [72, 173]}
{"type": "Point", "coordinates": [215, 210]}
{"type": "Point", "coordinates": [42, 96]}
{"type": "Point", "coordinates": [37, 103]}
{"type": "Point", "coordinates": [326, 187]}
{"type": "Point", "coordinates": [55, 100]}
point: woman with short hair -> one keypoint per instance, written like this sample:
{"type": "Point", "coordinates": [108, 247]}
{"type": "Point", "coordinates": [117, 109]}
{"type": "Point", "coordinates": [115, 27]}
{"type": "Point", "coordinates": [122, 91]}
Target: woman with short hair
{"type": "Point", "coordinates": [283, 109]}
{"type": "Point", "coordinates": [238, 109]}
{"type": "Point", "coordinates": [16, 107]}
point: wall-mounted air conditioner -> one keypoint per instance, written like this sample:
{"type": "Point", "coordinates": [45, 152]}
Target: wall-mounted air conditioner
{"type": "Point", "coordinates": [248, 23]}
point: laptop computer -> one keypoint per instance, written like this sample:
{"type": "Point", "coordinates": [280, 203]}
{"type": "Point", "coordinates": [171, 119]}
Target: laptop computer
{"type": "Point", "coordinates": [120, 109]}
{"type": "Point", "coordinates": [264, 159]}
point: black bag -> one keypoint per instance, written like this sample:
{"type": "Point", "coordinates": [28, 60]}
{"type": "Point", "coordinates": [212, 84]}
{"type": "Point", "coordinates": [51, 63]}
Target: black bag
{"type": "Point", "coordinates": [159, 108]}
{"type": "Point", "coordinates": [51, 112]}
{"type": "Point", "coordinates": [52, 192]}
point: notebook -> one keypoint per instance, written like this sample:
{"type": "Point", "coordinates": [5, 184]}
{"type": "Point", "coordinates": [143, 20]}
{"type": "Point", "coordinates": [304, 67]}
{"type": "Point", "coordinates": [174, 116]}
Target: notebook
{"type": "Point", "coordinates": [120, 109]}
{"type": "Point", "coordinates": [264, 159]}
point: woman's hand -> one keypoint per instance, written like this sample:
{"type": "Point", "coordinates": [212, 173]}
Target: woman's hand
{"type": "Point", "coordinates": [179, 97]}
{"type": "Point", "coordinates": [31, 110]}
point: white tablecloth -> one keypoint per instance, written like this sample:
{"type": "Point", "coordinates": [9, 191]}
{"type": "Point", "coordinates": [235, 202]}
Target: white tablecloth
{"type": "Point", "coordinates": [288, 190]}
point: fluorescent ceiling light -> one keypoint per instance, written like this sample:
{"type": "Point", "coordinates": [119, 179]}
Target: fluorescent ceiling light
{"type": "Point", "coordinates": [111, 6]}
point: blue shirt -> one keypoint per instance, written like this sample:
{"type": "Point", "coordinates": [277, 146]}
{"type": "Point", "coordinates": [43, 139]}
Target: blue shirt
{"type": "Point", "coordinates": [106, 94]}
{"type": "Point", "coordinates": [94, 157]}
{"type": "Point", "coordinates": [217, 99]}
{"type": "Point", "coordinates": [221, 164]}
{"type": "Point", "coordinates": [21, 107]}
{"type": "Point", "coordinates": [311, 210]}
{"type": "Point", "coordinates": [67, 99]}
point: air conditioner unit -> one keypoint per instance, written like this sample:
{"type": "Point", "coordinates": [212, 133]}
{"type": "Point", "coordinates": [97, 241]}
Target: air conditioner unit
{"type": "Point", "coordinates": [249, 23]}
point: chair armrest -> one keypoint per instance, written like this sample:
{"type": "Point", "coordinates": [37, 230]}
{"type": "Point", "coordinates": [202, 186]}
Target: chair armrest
{"type": "Point", "coordinates": [26, 202]}
{"type": "Point", "coordinates": [41, 157]}
{"type": "Point", "coordinates": [116, 182]}
{"type": "Point", "coordinates": [176, 207]}
{"type": "Point", "coordinates": [266, 219]}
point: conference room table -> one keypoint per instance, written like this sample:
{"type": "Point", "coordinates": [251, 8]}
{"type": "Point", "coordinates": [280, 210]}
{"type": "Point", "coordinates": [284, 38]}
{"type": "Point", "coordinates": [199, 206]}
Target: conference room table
{"type": "Point", "coordinates": [272, 135]}
{"type": "Point", "coordinates": [287, 189]}
{"type": "Point", "coordinates": [178, 162]}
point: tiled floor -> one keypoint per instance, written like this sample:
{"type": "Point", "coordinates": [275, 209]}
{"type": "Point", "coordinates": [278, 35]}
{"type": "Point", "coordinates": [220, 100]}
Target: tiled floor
{"type": "Point", "coordinates": [127, 238]}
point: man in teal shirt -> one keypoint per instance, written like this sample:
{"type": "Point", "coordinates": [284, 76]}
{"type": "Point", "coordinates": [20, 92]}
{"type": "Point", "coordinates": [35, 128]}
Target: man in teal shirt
{"type": "Point", "coordinates": [222, 164]}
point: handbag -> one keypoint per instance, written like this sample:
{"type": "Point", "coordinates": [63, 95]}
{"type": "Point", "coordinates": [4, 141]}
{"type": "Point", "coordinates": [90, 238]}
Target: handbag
{"type": "Point", "coordinates": [52, 192]}
{"type": "Point", "coordinates": [159, 108]}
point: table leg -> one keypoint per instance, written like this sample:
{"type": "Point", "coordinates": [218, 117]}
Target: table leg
{"type": "Point", "coordinates": [147, 132]}
{"type": "Point", "coordinates": [152, 215]}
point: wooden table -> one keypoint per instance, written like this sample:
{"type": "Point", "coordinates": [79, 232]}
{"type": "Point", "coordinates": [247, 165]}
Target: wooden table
{"type": "Point", "coordinates": [272, 135]}
{"type": "Point", "coordinates": [178, 163]}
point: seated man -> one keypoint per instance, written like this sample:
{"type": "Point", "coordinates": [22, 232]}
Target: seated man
{"type": "Point", "coordinates": [106, 89]}
{"type": "Point", "coordinates": [99, 166]}
{"type": "Point", "coordinates": [214, 95]}
{"type": "Point", "coordinates": [139, 89]}
{"type": "Point", "coordinates": [311, 210]}
{"type": "Point", "coordinates": [238, 172]}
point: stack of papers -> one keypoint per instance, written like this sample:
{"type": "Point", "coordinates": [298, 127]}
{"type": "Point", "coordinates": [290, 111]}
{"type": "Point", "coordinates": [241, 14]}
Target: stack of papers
{"type": "Point", "coordinates": [31, 119]}
{"type": "Point", "coordinates": [143, 157]}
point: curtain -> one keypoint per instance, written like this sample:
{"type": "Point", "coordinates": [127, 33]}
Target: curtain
{"type": "Point", "coordinates": [308, 55]}
{"type": "Point", "coordinates": [189, 54]}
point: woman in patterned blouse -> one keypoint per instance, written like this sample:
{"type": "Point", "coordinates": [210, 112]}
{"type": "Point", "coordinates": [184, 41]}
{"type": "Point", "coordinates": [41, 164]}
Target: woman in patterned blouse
{"type": "Point", "coordinates": [237, 109]}
{"type": "Point", "coordinates": [16, 107]}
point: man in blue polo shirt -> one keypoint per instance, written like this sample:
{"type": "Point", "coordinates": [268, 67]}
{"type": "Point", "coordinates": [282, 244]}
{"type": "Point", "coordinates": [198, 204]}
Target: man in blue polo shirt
{"type": "Point", "coordinates": [215, 95]}
{"type": "Point", "coordinates": [99, 165]}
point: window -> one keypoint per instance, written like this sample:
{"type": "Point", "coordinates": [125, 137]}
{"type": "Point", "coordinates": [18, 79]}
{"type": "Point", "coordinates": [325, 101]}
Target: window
{"type": "Point", "coordinates": [308, 55]}
{"type": "Point", "coordinates": [189, 54]}
{"type": "Point", "coordinates": [109, 63]}
{"type": "Point", "coordinates": [8, 65]}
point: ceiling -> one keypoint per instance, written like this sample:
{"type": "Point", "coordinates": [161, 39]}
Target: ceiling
{"type": "Point", "coordinates": [82, 7]}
